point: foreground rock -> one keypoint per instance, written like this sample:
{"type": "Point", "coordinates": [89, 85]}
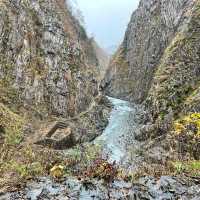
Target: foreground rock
{"type": "Point", "coordinates": [85, 127]}
{"type": "Point", "coordinates": [148, 188]}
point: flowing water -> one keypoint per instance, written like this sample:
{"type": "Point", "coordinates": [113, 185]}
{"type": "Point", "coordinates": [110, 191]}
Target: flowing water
{"type": "Point", "coordinates": [121, 124]}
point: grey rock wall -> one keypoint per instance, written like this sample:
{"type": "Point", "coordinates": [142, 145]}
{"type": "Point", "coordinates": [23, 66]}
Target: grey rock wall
{"type": "Point", "coordinates": [47, 62]}
{"type": "Point", "coordinates": [152, 26]}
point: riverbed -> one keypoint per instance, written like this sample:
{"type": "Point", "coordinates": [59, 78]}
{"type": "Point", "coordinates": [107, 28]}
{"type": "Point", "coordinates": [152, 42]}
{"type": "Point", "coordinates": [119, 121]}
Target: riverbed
{"type": "Point", "coordinates": [121, 124]}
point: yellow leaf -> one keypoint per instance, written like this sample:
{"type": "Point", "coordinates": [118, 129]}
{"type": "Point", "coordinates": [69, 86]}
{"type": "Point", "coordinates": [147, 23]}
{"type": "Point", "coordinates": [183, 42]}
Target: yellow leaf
{"type": "Point", "coordinates": [195, 115]}
{"type": "Point", "coordinates": [178, 127]}
{"type": "Point", "coordinates": [57, 171]}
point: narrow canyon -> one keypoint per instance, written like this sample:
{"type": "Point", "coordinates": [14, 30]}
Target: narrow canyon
{"type": "Point", "coordinates": [76, 123]}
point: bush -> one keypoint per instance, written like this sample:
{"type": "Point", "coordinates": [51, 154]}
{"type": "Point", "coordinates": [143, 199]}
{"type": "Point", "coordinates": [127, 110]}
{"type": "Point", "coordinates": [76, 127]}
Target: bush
{"type": "Point", "coordinates": [187, 135]}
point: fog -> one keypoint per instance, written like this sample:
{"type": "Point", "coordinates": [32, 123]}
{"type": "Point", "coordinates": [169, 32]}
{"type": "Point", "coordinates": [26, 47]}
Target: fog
{"type": "Point", "coordinates": [107, 19]}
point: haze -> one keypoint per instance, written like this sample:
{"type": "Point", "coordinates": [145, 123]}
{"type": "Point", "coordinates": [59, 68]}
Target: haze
{"type": "Point", "coordinates": [107, 19]}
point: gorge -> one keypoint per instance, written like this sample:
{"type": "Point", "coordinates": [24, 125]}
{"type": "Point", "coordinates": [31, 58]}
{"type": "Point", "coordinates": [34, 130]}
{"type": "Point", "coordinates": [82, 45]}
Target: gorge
{"type": "Point", "coordinates": [73, 126]}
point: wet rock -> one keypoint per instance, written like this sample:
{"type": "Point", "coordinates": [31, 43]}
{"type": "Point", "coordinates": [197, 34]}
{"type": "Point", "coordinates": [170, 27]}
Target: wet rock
{"type": "Point", "coordinates": [60, 139]}
{"type": "Point", "coordinates": [148, 188]}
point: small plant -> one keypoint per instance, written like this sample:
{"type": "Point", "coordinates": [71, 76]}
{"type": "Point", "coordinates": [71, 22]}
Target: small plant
{"type": "Point", "coordinates": [186, 135]}
{"type": "Point", "coordinates": [24, 170]}
{"type": "Point", "coordinates": [57, 171]}
{"type": "Point", "coordinates": [84, 155]}
{"type": "Point", "coordinates": [102, 169]}
{"type": "Point", "coordinates": [192, 167]}
{"type": "Point", "coordinates": [179, 167]}
{"type": "Point", "coordinates": [188, 123]}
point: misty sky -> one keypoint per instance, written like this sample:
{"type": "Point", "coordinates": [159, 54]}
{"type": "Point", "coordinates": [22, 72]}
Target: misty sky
{"type": "Point", "coordinates": [107, 19]}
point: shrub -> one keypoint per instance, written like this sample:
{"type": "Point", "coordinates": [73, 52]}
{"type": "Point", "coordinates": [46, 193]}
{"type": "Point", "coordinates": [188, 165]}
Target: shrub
{"type": "Point", "coordinates": [187, 135]}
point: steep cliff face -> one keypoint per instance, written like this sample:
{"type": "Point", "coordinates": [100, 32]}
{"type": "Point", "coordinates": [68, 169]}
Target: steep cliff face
{"type": "Point", "coordinates": [152, 27]}
{"type": "Point", "coordinates": [173, 99]}
{"type": "Point", "coordinates": [103, 58]}
{"type": "Point", "coordinates": [175, 85]}
{"type": "Point", "coordinates": [47, 62]}
{"type": "Point", "coordinates": [49, 75]}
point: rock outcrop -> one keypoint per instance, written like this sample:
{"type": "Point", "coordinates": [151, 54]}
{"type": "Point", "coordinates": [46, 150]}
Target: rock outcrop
{"type": "Point", "coordinates": [65, 133]}
{"type": "Point", "coordinates": [151, 29]}
{"type": "Point", "coordinates": [47, 62]}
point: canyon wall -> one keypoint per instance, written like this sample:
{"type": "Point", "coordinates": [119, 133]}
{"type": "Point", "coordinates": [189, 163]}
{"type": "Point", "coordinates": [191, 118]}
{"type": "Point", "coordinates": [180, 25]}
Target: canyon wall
{"type": "Point", "coordinates": [174, 90]}
{"type": "Point", "coordinates": [151, 29]}
{"type": "Point", "coordinates": [103, 58]}
{"type": "Point", "coordinates": [47, 62]}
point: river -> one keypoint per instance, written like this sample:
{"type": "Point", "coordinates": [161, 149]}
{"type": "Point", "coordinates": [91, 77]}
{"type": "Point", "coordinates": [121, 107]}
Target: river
{"type": "Point", "coordinates": [121, 124]}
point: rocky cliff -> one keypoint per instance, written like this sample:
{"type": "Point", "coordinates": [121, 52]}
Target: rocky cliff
{"type": "Point", "coordinates": [49, 69]}
{"type": "Point", "coordinates": [47, 62]}
{"type": "Point", "coordinates": [173, 98]}
{"type": "Point", "coordinates": [151, 29]}
{"type": "Point", "coordinates": [103, 58]}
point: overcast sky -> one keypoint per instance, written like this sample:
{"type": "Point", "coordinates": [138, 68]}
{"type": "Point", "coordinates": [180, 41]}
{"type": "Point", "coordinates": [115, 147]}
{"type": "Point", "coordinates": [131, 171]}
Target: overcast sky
{"type": "Point", "coordinates": [107, 19]}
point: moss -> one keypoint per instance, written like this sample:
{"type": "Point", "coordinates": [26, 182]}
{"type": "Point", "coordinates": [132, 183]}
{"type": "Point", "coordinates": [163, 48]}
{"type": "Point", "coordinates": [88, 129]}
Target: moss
{"type": "Point", "coordinates": [9, 94]}
{"type": "Point", "coordinates": [24, 163]}
{"type": "Point", "coordinates": [157, 19]}
{"type": "Point", "coordinates": [24, 170]}
{"type": "Point", "coordinates": [12, 125]}
{"type": "Point", "coordinates": [37, 66]}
